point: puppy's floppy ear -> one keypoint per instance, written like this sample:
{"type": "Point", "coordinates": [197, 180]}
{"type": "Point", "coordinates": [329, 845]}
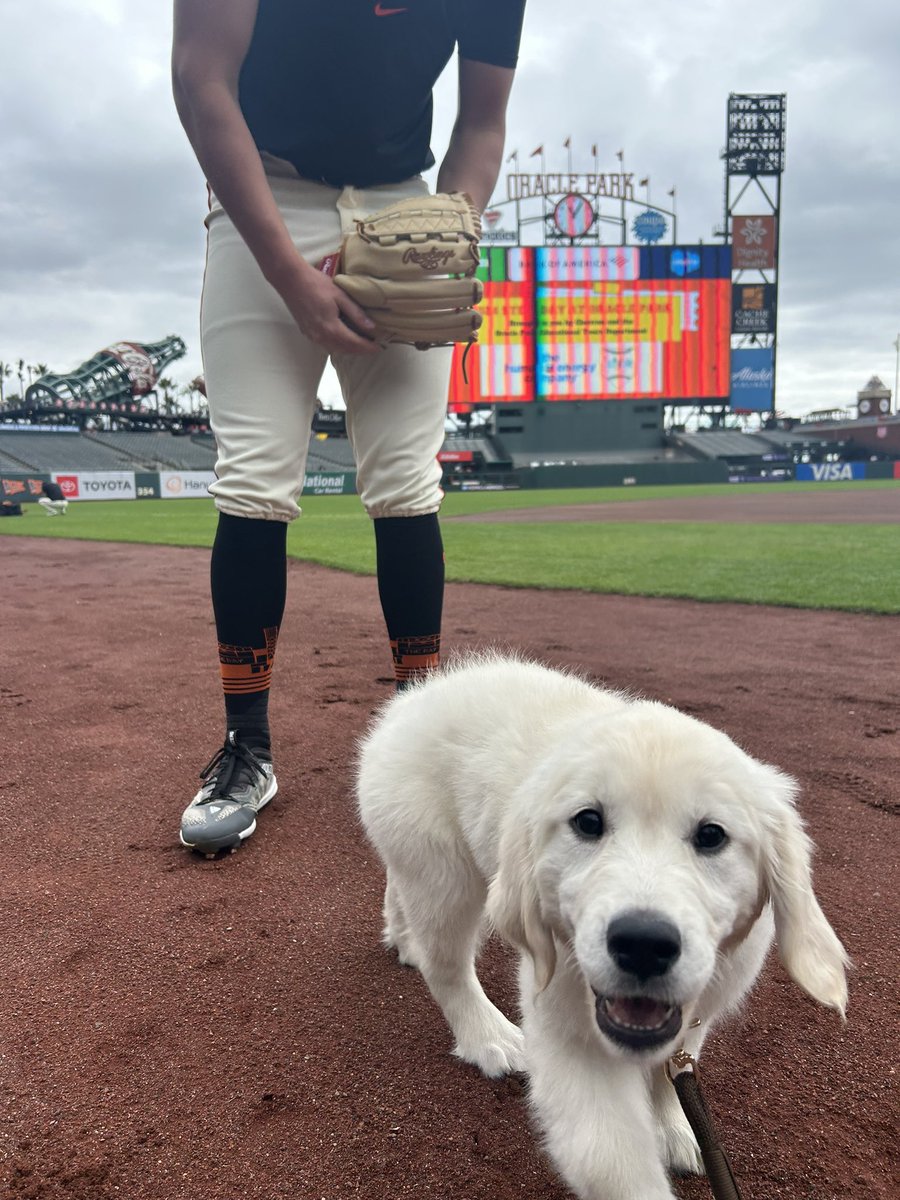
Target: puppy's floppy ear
{"type": "Point", "coordinates": [514, 905]}
{"type": "Point", "coordinates": [807, 945]}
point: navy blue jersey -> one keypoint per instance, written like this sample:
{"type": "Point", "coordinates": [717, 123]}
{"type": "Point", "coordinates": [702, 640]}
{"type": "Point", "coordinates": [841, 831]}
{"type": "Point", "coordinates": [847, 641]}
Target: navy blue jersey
{"type": "Point", "coordinates": [342, 89]}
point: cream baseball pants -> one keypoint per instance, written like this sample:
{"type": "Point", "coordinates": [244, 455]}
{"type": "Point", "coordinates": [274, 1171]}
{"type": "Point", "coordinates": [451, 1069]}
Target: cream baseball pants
{"type": "Point", "coordinates": [262, 373]}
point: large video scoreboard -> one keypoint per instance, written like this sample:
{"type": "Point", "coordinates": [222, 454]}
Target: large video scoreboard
{"type": "Point", "coordinates": [600, 323]}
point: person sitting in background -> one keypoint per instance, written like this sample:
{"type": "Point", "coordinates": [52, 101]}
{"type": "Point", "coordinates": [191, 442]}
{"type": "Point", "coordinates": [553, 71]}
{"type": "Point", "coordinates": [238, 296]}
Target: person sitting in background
{"type": "Point", "coordinates": [52, 500]}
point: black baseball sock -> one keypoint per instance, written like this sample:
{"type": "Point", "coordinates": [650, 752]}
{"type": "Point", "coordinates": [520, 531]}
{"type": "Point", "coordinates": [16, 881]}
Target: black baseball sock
{"type": "Point", "coordinates": [410, 557]}
{"type": "Point", "coordinates": [248, 576]}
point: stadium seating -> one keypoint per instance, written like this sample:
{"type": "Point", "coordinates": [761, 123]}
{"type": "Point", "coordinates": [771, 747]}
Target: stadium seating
{"type": "Point", "coordinates": [153, 450]}
{"type": "Point", "coordinates": [332, 454]}
{"type": "Point", "coordinates": [722, 443]}
{"type": "Point", "coordinates": [44, 452]}
{"type": "Point", "coordinates": [10, 464]}
{"type": "Point", "coordinates": [483, 445]}
{"type": "Point", "coordinates": [140, 451]}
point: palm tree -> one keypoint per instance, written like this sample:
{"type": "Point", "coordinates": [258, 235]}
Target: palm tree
{"type": "Point", "coordinates": [195, 396]}
{"type": "Point", "coordinates": [166, 386]}
{"type": "Point", "coordinates": [20, 371]}
{"type": "Point", "coordinates": [5, 373]}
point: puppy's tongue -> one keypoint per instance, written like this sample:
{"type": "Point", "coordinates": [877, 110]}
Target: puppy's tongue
{"type": "Point", "coordinates": [638, 1012]}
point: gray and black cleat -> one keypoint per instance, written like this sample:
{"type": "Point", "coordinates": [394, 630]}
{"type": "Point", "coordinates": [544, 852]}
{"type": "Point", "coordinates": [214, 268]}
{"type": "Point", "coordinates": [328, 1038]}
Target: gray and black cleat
{"type": "Point", "coordinates": [237, 784]}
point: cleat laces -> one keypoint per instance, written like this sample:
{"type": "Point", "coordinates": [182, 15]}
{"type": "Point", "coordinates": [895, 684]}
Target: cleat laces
{"type": "Point", "coordinates": [231, 764]}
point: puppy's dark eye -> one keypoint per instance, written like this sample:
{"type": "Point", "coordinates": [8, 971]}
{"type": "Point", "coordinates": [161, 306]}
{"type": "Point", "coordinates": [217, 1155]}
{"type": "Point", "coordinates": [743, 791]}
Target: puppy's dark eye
{"type": "Point", "coordinates": [588, 823]}
{"type": "Point", "coordinates": [708, 838]}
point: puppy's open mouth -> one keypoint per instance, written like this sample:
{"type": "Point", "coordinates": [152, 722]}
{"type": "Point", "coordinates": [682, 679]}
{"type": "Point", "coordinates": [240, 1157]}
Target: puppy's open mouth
{"type": "Point", "coordinates": [637, 1022]}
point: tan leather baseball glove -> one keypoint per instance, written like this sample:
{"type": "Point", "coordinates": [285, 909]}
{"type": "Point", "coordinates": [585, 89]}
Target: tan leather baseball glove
{"type": "Point", "coordinates": [412, 266]}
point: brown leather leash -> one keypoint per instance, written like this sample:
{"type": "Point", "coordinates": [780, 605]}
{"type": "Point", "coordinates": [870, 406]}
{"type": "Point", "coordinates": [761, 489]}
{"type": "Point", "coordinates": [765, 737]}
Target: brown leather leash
{"type": "Point", "coordinates": [685, 1078]}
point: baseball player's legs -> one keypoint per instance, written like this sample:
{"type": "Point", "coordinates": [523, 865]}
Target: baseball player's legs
{"type": "Point", "coordinates": [262, 376]}
{"type": "Point", "coordinates": [53, 508]}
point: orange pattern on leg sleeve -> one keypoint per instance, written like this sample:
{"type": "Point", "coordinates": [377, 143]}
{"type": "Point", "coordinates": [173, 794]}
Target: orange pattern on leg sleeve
{"type": "Point", "coordinates": [247, 669]}
{"type": "Point", "coordinates": [415, 657]}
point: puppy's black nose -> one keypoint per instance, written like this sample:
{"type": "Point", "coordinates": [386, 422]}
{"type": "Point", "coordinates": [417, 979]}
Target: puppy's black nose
{"type": "Point", "coordinates": [643, 943]}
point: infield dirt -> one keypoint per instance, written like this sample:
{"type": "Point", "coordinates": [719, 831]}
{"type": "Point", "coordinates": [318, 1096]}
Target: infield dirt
{"type": "Point", "coordinates": [172, 1027]}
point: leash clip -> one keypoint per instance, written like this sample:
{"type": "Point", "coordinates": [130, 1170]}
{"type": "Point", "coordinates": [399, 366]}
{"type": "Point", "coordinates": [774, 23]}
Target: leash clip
{"type": "Point", "coordinates": [680, 1061]}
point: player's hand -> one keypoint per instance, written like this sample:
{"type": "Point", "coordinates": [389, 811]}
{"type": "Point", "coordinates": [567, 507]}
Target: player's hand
{"type": "Point", "coordinates": [325, 313]}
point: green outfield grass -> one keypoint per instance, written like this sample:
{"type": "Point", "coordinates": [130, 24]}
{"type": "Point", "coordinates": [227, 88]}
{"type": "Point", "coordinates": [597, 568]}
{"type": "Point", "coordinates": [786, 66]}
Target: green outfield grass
{"type": "Point", "coordinates": [851, 567]}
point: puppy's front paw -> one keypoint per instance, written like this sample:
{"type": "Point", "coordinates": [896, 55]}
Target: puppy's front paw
{"type": "Point", "coordinates": [500, 1050]}
{"type": "Point", "coordinates": [680, 1151]}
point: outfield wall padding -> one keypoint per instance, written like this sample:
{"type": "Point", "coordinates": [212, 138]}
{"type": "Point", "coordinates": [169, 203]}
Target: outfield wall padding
{"type": "Point", "coordinates": [25, 487]}
{"type": "Point", "coordinates": [623, 475]}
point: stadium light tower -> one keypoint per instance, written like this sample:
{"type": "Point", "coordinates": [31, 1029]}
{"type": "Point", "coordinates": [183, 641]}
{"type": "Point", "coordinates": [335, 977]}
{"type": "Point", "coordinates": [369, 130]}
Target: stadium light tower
{"type": "Point", "coordinates": [754, 162]}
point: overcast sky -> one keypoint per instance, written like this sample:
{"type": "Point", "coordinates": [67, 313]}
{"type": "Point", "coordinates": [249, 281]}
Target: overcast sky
{"type": "Point", "coordinates": [101, 235]}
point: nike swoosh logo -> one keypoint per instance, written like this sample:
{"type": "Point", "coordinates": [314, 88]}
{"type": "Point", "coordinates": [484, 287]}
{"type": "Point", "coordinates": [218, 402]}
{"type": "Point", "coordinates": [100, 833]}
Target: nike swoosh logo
{"type": "Point", "coordinates": [381, 11]}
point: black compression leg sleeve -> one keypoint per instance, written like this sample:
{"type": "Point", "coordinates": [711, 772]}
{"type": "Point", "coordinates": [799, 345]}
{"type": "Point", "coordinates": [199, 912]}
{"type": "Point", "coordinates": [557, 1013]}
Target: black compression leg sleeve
{"type": "Point", "coordinates": [410, 556]}
{"type": "Point", "coordinates": [248, 576]}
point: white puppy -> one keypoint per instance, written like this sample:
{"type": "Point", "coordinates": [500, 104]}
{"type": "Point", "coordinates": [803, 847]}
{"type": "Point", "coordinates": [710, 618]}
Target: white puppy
{"type": "Point", "coordinates": [639, 860]}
